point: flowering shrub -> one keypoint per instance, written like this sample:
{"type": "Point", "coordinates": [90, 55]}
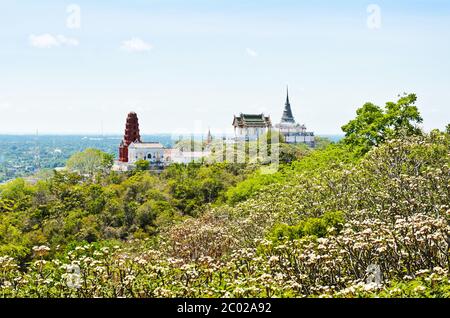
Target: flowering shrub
{"type": "Point", "coordinates": [335, 266]}
{"type": "Point", "coordinates": [395, 219]}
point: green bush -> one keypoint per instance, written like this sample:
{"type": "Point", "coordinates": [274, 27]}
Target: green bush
{"type": "Point", "coordinates": [330, 222]}
{"type": "Point", "coordinates": [142, 165]}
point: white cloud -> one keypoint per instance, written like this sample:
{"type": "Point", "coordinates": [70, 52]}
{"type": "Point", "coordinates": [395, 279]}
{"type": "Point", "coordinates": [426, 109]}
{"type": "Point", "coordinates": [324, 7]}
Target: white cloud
{"type": "Point", "coordinates": [45, 41]}
{"type": "Point", "coordinates": [251, 52]}
{"type": "Point", "coordinates": [136, 45]}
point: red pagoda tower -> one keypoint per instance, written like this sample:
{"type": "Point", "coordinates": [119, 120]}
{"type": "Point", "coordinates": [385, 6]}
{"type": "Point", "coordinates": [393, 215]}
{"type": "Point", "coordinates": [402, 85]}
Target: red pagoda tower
{"type": "Point", "coordinates": [131, 135]}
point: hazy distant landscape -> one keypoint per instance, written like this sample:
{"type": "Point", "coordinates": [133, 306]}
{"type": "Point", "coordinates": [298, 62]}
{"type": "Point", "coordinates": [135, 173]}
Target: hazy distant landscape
{"type": "Point", "coordinates": [24, 155]}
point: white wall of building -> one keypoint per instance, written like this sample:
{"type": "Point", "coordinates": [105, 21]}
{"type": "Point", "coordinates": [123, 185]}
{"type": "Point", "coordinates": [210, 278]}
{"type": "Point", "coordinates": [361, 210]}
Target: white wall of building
{"type": "Point", "coordinates": [142, 152]}
{"type": "Point", "coordinates": [300, 139]}
{"type": "Point", "coordinates": [185, 157]}
{"type": "Point", "coordinates": [251, 133]}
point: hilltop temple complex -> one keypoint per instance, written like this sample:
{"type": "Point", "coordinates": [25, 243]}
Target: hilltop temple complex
{"type": "Point", "coordinates": [247, 127]}
{"type": "Point", "coordinates": [251, 126]}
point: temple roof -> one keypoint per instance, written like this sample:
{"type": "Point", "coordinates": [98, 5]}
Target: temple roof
{"type": "Point", "coordinates": [252, 120]}
{"type": "Point", "coordinates": [146, 145]}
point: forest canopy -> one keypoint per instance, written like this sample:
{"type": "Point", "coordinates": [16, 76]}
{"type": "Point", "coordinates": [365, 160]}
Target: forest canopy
{"type": "Point", "coordinates": [379, 199]}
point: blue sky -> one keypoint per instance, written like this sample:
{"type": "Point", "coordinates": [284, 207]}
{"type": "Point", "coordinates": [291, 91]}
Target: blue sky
{"type": "Point", "coordinates": [189, 65]}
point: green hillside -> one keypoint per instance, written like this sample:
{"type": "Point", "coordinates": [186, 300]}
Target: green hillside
{"type": "Point", "coordinates": [366, 217]}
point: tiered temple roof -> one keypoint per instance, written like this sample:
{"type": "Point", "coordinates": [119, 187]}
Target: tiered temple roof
{"type": "Point", "coordinates": [287, 113]}
{"type": "Point", "coordinates": [252, 120]}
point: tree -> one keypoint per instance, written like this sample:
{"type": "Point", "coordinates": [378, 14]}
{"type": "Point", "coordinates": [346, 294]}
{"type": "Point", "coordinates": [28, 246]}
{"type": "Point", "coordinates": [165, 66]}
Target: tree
{"type": "Point", "coordinates": [107, 160]}
{"type": "Point", "coordinates": [290, 153]}
{"type": "Point", "coordinates": [373, 124]}
{"type": "Point", "coordinates": [145, 215]}
{"type": "Point", "coordinates": [322, 142]}
{"type": "Point", "coordinates": [403, 116]}
{"type": "Point", "coordinates": [89, 162]}
{"type": "Point", "coordinates": [447, 129]}
{"type": "Point", "coordinates": [142, 165]}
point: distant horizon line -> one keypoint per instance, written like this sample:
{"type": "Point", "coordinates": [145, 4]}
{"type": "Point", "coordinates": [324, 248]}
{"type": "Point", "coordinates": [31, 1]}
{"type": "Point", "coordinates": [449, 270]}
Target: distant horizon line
{"type": "Point", "coordinates": [120, 134]}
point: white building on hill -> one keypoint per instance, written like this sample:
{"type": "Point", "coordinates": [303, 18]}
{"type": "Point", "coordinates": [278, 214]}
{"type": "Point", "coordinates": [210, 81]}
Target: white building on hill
{"type": "Point", "coordinates": [153, 152]}
{"type": "Point", "coordinates": [250, 127]}
{"type": "Point", "coordinates": [177, 156]}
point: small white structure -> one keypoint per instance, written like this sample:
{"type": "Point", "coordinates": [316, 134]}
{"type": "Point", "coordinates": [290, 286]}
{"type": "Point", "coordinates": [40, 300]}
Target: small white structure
{"type": "Point", "coordinates": [153, 152]}
{"type": "Point", "coordinates": [296, 134]}
{"type": "Point", "coordinates": [120, 166]}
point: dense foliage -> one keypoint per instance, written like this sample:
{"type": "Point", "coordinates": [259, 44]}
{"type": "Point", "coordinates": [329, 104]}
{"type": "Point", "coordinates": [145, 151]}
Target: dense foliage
{"type": "Point", "coordinates": [373, 125]}
{"type": "Point", "coordinates": [96, 205]}
{"type": "Point", "coordinates": [334, 222]}
{"type": "Point", "coordinates": [90, 162]}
